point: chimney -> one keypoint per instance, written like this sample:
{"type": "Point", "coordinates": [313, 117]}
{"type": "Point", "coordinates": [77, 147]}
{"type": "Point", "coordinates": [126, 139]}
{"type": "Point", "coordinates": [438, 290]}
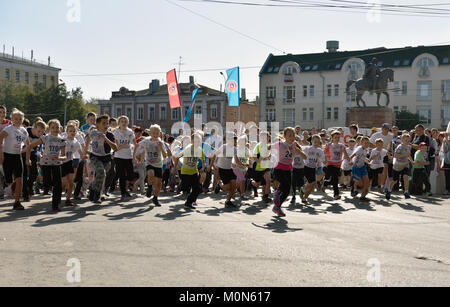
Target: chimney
{"type": "Point", "coordinates": [48, 61]}
{"type": "Point", "coordinates": [154, 86]}
{"type": "Point", "coordinates": [191, 80]}
{"type": "Point", "coordinates": [32, 55]}
{"type": "Point", "coordinates": [332, 46]}
{"type": "Point", "coordinates": [244, 94]}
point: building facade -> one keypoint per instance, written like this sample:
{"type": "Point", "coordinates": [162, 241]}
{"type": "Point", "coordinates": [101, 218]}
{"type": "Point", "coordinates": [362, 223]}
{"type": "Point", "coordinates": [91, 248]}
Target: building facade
{"type": "Point", "coordinates": [151, 106]}
{"type": "Point", "coordinates": [21, 71]}
{"type": "Point", "coordinates": [310, 89]}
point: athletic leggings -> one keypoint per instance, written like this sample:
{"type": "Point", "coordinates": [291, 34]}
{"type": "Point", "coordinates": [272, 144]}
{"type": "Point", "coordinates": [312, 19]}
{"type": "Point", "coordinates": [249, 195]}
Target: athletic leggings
{"type": "Point", "coordinates": [334, 173]}
{"type": "Point", "coordinates": [298, 178]}
{"type": "Point", "coordinates": [285, 180]}
{"type": "Point", "coordinates": [30, 174]}
{"type": "Point", "coordinates": [125, 171]}
{"type": "Point", "coordinates": [189, 182]}
{"type": "Point", "coordinates": [52, 175]}
{"type": "Point", "coordinates": [79, 178]}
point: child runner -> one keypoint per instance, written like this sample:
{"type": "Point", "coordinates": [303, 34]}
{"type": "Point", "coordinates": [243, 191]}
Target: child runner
{"type": "Point", "coordinates": [53, 153]}
{"type": "Point", "coordinates": [402, 157]}
{"type": "Point", "coordinates": [240, 169]}
{"type": "Point", "coordinates": [15, 136]}
{"type": "Point", "coordinates": [101, 142]}
{"type": "Point", "coordinates": [190, 178]}
{"type": "Point", "coordinates": [3, 124]}
{"type": "Point", "coordinates": [155, 153]}
{"type": "Point", "coordinates": [346, 167]}
{"type": "Point", "coordinates": [298, 174]}
{"type": "Point", "coordinates": [336, 151]}
{"type": "Point", "coordinates": [261, 173]}
{"type": "Point", "coordinates": [419, 173]}
{"type": "Point", "coordinates": [73, 149]}
{"type": "Point", "coordinates": [315, 156]}
{"type": "Point", "coordinates": [359, 170]}
{"type": "Point", "coordinates": [283, 170]}
{"type": "Point", "coordinates": [123, 157]}
{"type": "Point", "coordinates": [376, 158]}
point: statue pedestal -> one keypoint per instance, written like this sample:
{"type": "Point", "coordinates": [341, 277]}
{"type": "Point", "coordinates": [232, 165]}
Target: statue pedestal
{"type": "Point", "coordinates": [370, 117]}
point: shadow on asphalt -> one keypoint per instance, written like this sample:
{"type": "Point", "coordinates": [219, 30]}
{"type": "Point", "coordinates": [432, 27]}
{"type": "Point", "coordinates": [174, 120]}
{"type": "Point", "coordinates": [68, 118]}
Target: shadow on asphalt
{"type": "Point", "coordinates": [128, 215]}
{"type": "Point", "coordinates": [174, 213]}
{"type": "Point", "coordinates": [278, 225]}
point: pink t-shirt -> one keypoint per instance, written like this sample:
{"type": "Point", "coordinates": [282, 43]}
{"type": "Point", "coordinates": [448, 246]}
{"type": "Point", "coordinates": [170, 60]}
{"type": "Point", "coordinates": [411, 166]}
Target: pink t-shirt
{"type": "Point", "coordinates": [286, 154]}
{"type": "Point", "coordinates": [335, 154]}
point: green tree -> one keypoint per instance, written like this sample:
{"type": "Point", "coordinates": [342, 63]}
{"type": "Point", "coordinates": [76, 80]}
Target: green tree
{"type": "Point", "coordinates": [406, 120]}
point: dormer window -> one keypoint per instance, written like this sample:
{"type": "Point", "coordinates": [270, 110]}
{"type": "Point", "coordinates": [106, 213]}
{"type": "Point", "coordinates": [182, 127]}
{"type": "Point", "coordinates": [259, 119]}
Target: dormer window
{"type": "Point", "coordinates": [425, 62]}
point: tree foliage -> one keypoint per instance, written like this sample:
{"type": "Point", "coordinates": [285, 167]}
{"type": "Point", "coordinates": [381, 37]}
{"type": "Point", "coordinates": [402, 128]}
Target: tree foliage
{"type": "Point", "coordinates": [48, 103]}
{"type": "Point", "coordinates": [406, 120]}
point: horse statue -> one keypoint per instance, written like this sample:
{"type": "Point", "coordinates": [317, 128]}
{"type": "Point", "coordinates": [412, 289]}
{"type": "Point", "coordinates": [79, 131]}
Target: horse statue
{"type": "Point", "coordinates": [362, 86]}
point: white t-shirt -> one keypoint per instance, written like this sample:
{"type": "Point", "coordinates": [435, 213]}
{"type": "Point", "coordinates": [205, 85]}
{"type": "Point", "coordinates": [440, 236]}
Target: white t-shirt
{"type": "Point", "coordinates": [345, 163]}
{"type": "Point", "coordinates": [386, 138]}
{"type": "Point", "coordinates": [377, 162]}
{"type": "Point", "coordinates": [360, 157]}
{"type": "Point", "coordinates": [153, 155]}
{"type": "Point", "coordinates": [72, 147]}
{"type": "Point", "coordinates": [51, 147]}
{"type": "Point", "coordinates": [225, 155]}
{"type": "Point", "coordinates": [315, 156]}
{"type": "Point", "coordinates": [124, 137]}
{"type": "Point", "coordinates": [15, 140]}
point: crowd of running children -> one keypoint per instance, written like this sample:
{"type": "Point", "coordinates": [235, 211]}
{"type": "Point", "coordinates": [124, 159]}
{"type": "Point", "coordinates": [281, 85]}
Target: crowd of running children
{"type": "Point", "coordinates": [91, 159]}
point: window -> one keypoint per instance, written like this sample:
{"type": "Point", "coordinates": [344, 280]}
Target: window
{"type": "Point", "coordinates": [214, 111]}
{"type": "Point", "coordinates": [445, 61]}
{"type": "Point", "coordinates": [270, 69]}
{"type": "Point", "coordinates": [404, 108]}
{"type": "Point", "coordinates": [329, 113]}
{"type": "Point", "coordinates": [289, 117]}
{"type": "Point", "coordinates": [118, 112]}
{"type": "Point", "coordinates": [307, 68]}
{"type": "Point", "coordinates": [315, 67]}
{"type": "Point", "coordinates": [162, 112]}
{"type": "Point", "coordinates": [445, 90]}
{"type": "Point", "coordinates": [396, 110]}
{"type": "Point", "coordinates": [140, 113]}
{"type": "Point", "coordinates": [397, 89]}
{"type": "Point", "coordinates": [404, 88]}
{"type": "Point", "coordinates": [311, 114]}
{"type": "Point", "coordinates": [198, 110]}
{"type": "Point", "coordinates": [445, 115]}
{"type": "Point", "coordinates": [270, 115]}
{"type": "Point", "coordinates": [130, 113]}
{"type": "Point", "coordinates": [7, 74]}
{"type": "Point", "coordinates": [397, 63]}
{"type": "Point", "coordinates": [151, 112]}
{"type": "Point", "coordinates": [290, 70]}
{"type": "Point", "coordinates": [305, 114]}
{"type": "Point", "coordinates": [271, 92]}
{"type": "Point", "coordinates": [406, 62]}
{"type": "Point", "coordinates": [175, 114]}
{"type": "Point", "coordinates": [36, 79]}
{"type": "Point", "coordinates": [27, 77]}
{"type": "Point", "coordinates": [276, 69]}
{"type": "Point", "coordinates": [380, 64]}
{"type": "Point", "coordinates": [424, 114]}
{"type": "Point", "coordinates": [44, 80]}
{"type": "Point", "coordinates": [425, 62]}
{"type": "Point", "coordinates": [17, 76]}
{"type": "Point", "coordinates": [311, 91]}
{"type": "Point", "coordinates": [338, 66]}
{"type": "Point", "coordinates": [336, 113]}
{"type": "Point", "coordinates": [355, 70]}
{"type": "Point", "coordinates": [424, 92]}
{"type": "Point", "coordinates": [52, 80]}
{"type": "Point", "coordinates": [336, 90]}
{"type": "Point", "coordinates": [305, 91]}
{"type": "Point", "coordinates": [289, 95]}
{"type": "Point", "coordinates": [329, 90]}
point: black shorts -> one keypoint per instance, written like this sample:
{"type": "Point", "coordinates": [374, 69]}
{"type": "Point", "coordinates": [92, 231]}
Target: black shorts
{"type": "Point", "coordinates": [310, 174]}
{"type": "Point", "coordinates": [258, 176]}
{"type": "Point", "coordinates": [156, 170]}
{"type": "Point", "coordinates": [373, 173]}
{"type": "Point", "coordinates": [406, 171]}
{"type": "Point", "coordinates": [347, 173]}
{"type": "Point", "coordinates": [67, 169]}
{"type": "Point", "coordinates": [76, 163]}
{"type": "Point", "coordinates": [12, 166]}
{"type": "Point", "coordinates": [226, 175]}
{"type": "Point", "coordinates": [280, 175]}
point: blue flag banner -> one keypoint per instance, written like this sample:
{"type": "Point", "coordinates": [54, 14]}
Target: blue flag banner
{"type": "Point", "coordinates": [191, 107]}
{"type": "Point", "coordinates": [233, 87]}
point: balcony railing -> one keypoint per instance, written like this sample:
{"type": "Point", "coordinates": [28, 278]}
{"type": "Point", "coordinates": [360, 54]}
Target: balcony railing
{"type": "Point", "coordinates": [270, 101]}
{"type": "Point", "coordinates": [288, 78]}
{"type": "Point", "coordinates": [446, 97]}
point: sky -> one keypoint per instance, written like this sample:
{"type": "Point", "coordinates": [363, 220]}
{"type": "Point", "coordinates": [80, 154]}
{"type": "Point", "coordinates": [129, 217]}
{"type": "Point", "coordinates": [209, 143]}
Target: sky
{"type": "Point", "coordinates": [137, 36]}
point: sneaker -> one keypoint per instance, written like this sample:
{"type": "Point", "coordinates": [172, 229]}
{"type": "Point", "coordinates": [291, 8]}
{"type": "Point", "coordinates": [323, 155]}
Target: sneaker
{"type": "Point", "coordinates": [127, 194]}
{"type": "Point", "coordinates": [428, 194]}
{"type": "Point", "coordinates": [243, 197]}
{"type": "Point", "coordinates": [276, 198]}
{"type": "Point", "coordinates": [229, 204]}
{"type": "Point", "coordinates": [407, 195]}
{"type": "Point", "coordinates": [156, 202]}
{"type": "Point", "coordinates": [388, 195]}
{"type": "Point", "coordinates": [55, 208]}
{"type": "Point", "coordinates": [301, 193]}
{"type": "Point", "coordinates": [2, 196]}
{"type": "Point", "coordinates": [124, 198]}
{"type": "Point", "coordinates": [26, 199]}
{"type": "Point", "coordinates": [149, 191]}
{"type": "Point", "coordinates": [189, 206]}
{"type": "Point", "coordinates": [293, 200]}
{"type": "Point", "coordinates": [354, 193]}
{"type": "Point", "coordinates": [277, 210]}
{"type": "Point", "coordinates": [305, 202]}
{"type": "Point", "coordinates": [91, 195]}
{"type": "Point", "coordinates": [78, 197]}
{"type": "Point", "coordinates": [217, 189]}
{"type": "Point", "coordinates": [18, 206]}
{"type": "Point", "coordinates": [96, 198]}
{"type": "Point", "coordinates": [69, 203]}
{"type": "Point", "coordinates": [337, 197]}
{"type": "Point", "coordinates": [266, 199]}
{"type": "Point", "coordinates": [364, 199]}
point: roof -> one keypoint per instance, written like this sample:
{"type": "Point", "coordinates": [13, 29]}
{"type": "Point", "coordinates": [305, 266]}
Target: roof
{"type": "Point", "coordinates": [329, 61]}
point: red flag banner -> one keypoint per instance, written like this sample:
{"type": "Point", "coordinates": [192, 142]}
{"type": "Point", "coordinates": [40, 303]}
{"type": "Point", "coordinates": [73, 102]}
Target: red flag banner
{"type": "Point", "coordinates": [173, 90]}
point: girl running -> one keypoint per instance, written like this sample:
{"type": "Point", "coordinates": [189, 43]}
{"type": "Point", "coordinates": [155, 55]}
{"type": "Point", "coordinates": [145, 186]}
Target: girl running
{"type": "Point", "coordinates": [315, 156]}
{"type": "Point", "coordinates": [359, 170]}
{"type": "Point", "coordinates": [335, 152]}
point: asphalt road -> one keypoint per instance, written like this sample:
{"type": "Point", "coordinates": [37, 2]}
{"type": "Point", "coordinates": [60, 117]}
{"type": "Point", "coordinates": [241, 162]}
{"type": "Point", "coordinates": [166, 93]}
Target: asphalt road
{"type": "Point", "coordinates": [344, 243]}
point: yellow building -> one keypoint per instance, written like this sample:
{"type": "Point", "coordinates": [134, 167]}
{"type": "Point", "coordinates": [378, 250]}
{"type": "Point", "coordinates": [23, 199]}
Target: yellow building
{"type": "Point", "coordinates": [22, 71]}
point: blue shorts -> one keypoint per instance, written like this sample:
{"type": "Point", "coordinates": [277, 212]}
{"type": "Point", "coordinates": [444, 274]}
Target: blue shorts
{"type": "Point", "coordinates": [319, 171]}
{"type": "Point", "coordinates": [359, 172]}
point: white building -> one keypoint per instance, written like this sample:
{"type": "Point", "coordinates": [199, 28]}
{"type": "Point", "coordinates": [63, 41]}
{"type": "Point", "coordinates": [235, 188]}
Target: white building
{"type": "Point", "coordinates": [310, 89]}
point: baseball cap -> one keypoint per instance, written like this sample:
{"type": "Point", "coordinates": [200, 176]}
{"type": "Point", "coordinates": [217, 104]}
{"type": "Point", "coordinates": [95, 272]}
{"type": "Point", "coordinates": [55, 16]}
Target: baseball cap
{"type": "Point", "coordinates": [386, 126]}
{"type": "Point", "coordinates": [423, 144]}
